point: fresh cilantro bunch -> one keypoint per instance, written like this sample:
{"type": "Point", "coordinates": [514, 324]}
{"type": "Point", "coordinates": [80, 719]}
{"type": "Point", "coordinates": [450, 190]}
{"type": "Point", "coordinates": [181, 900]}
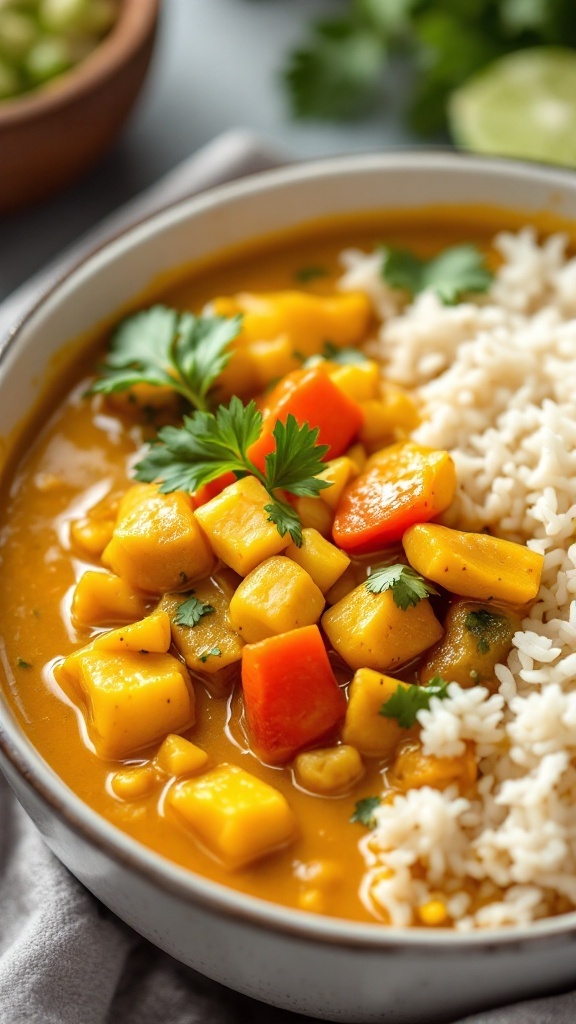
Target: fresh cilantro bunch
{"type": "Point", "coordinates": [165, 348]}
{"type": "Point", "coordinates": [211, 444]}
{"type": "Point", "coordinates": [341, 69]}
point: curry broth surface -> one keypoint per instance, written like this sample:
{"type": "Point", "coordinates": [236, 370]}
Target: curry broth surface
{"type": "Point", "coordinates": [74, 460]}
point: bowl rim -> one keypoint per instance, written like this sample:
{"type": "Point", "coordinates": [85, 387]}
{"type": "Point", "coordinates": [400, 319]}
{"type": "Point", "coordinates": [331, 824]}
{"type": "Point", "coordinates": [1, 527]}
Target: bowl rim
{"type": "Point", "coordinates": [135, 21]}
{"type": "Point", "coordinates": [110, 840]}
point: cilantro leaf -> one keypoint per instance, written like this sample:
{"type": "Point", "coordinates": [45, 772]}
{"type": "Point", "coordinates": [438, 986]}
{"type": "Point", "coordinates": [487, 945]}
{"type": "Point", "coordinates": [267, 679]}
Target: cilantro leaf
{"type": "Point", "coordinates": [214, 652]}
{"type": "Point", "coordinates": [191, 612]}
{"type": "Point", "coordinates": [336, 73]}
{"type": "Point", "coordinates": [407, 701]}
{"type": "Point", "coordinates": [306, 274]}
{"type": "Point", "coordinates": [364, 811]}
{"type": "Point", "coordinates": [210, 444]}
{"type": "Point", "coordinates": [345, 356]}
{"type": "Point", "coordinates": [407, 586]}
{"type": "Point", "coordinates": [486, 627]}
{"type": "Point", "coordinates": [164, 348]}
{"type": "Point", "coordinates": [455, 271]}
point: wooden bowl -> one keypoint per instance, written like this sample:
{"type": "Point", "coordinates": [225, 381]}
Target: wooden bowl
{"type": "Point", "coordinates": [51, 136]}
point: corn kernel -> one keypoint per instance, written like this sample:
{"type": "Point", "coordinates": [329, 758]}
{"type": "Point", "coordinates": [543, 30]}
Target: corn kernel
{"type": "Point", "coordinates": [433, 913]}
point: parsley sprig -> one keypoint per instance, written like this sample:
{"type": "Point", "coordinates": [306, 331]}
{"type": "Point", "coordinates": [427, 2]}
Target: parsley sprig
{"type": "Point", "coordinates": [407, 586]}
{"type": "Point", "coordinates": [191, 611]}
{"type": "Point", "coordinates": [164, 348]}
{"type": "Point", "coordinates": [454, 272]}
{"type": "Point", "coordinates": [407, 701]}
{"type": "Point", "coordinates": [364, 811]}
{"type": "Point", "coordinates": [211, 444]}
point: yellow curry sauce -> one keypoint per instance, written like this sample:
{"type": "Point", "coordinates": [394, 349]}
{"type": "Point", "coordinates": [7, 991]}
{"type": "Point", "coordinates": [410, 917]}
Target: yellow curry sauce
{"type": "Point", "coordinates": [82, 453]}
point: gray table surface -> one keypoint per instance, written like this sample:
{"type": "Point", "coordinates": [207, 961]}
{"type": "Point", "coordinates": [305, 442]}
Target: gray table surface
{"type": "Point", "coordinates": [217, 65]}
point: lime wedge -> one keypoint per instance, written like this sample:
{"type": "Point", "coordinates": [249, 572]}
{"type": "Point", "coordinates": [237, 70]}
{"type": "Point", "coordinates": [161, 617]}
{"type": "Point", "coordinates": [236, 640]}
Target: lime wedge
{"type": "Point", "coordinates": [523, 105]}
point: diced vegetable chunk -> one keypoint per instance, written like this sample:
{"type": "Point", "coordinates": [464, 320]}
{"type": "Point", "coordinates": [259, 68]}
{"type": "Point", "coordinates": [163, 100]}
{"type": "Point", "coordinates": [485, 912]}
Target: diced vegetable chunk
{"type": "Point", "coordinates": [157, 544]}
{"type": "Point", "coordinates": [364, 726]}
{"type": "Point", "coordinates": [151, 634]}
{"type": "Point", "coordinates": [474, 564]}
{"type": "Point", "coordinates": [413, 769]}
{"type": "Point", "coordinates": [314, 514]}
{"type": "Point", "coordinates": [370, 631]}
{"type": "Point", "coordinates": [360, 381]}
{"type": "Point", "coordinates": [102, 599]}
{"type": "Point", "coordinates": [312, 398]}
{"type": "Point", "coordinates": [93, 531]}
{"type": "Point", "coordinates": [291, 696]}
{"type": "Point", "coordinates": [178, 756]}
{"type": "Point", "coordinates": [324, 562]}
{"type": "Point", "coordinates": [338, 473]}
{"type": "Point", "coordinates": [132, 699]}
{"type": "Point", "coordinates": [274, 598]}
{"type": "Point", "coordinates": [213, 630]}
{"type": "Point", "coordinates": [401, 485]}
{"type": "Point", "coordinates": [238, 526]}
{"type": "Point", "coordinates": [329, 770]}
{"type": "Point", "coordinates": [477, 638]}
{"type": "Point", "coordinates": [237, 816]}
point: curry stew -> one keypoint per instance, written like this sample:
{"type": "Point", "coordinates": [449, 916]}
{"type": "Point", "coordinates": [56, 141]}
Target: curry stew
{"type": "Point", "coordinates": [218, 627]}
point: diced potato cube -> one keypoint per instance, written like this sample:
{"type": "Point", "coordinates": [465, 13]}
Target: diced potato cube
{"type": "Point", "coordinates": [238, 527]}
{"type": "Point", "coordinates": [474, 564]}
{"type": "Point", "coordinates": [237, 816]}
{"type": "Point", "coordinates": [149, 635]}
{"type": "Point", "coordinates": [357, 454]}
{"type": "Point", "coordinates": [157, 544]}
{"type": "Point", "coordinates": [349, 579]}
{"type": "Point", "coordinates": [316, 514]}
{"type": "Point", "coordinates": [323, 561]}
{"type": "Point", "coordinates": [213, 631]}
{"type": "Point", "coordinates": [370, 631]}
{"type": "Point", "coordinates": [274, 598]}
{"type": "Point", "coordinates": [360, 381]}
{"type": "Point", "coordinates": [338, 473]}
{"type": "Point", "coordinates": [413, 769]}
{"type": "Point", "coordinates": [132, 700]}
{"type": "Point", "coordinates": [102, 599]}
{"type": "Point", "coordinates": [178, 756]}
{"type": "Point", "coordinates": [389, 418]}
{"type": "Point", "coordinates": [329, 770]}
{"type": "Point", "coordinates": [365, 728]}
{"type": "Point", "coordinates": [94, 531]}
{"type": "Point", "coordinates": [477, 638]}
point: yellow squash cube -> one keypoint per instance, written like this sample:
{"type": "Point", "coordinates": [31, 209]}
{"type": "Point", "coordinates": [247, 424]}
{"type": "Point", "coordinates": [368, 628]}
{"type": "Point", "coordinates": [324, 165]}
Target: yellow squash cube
{"type": "Point", "coordinates": [157, 544]}
{"type": "Point", "coordinates": [238, 527]}
{"type": "Point", "coordinates": [360, 381]}
{"type": "Point", "coordinates": [149, 635]}
{"type": "Point", "coordinates": [102, 599]}
{"type": "Point", "coordinates": [474, 564]}
{"type": "Point", "coordinates": [365, 728]}
{"type": "Point", "coordinates": [315, 514]}
{"type": "Point", "coordinates": [323, 561]}
{"type": "Point", "coordinates": [93, 531]}
{"type": "Point", "coordinates": [131, 700]}
{"type": "Point", "coordinates": [276, 597]}
{"type": "Point", "coordinates": [370, 631]}
{"type": "Point", "coordinates": [213, 631]}
{"type": "Point", "coordinates": [412, 769]}
{"type": "Point", "coordinates": [338, 473]}
{"type": "Point", "coordinates": [236, 816]}
{"type": "Point", "coordinates": [178, 756]}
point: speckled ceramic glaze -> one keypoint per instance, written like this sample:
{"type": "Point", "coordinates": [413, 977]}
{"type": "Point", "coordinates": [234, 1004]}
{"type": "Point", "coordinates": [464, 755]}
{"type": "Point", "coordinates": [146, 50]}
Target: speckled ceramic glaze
{"type": "Point", "coordinates": [324, 967]}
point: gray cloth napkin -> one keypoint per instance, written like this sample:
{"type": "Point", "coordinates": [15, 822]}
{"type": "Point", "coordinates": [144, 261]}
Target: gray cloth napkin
{"type": "Point", "coordinates": [64, 958]}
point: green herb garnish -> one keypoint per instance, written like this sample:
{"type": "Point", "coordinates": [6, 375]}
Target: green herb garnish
{"type": "Point", "coordinates": [210, 444]}
{"type": "Point", "coordinates": [407, 701]}
{"type": "Point", "coordinates": [23, 664]}
{"type": "Point", "coordinates": [305, 274]}
{"type": "Point", "coordinates": [486, 627]}
{"type": "Point", "coordinates": [364, 811]}
{"type": "Point", "coordinates": [214, 652]}
{"type": "Point", "coordinates": [165, 348]}
{"type": "Point", "coordinates": [191, 611]}
{"type": "Point", "coordinates": [454, 272]}
{"type": "Point", "coordinates": [407, 586]}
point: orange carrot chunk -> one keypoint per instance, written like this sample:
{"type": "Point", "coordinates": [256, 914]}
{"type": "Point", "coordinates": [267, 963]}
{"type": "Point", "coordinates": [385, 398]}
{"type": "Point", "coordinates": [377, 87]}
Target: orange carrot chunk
{"type": "Point", "coordinates": [401, 485]}
{"type": "Point", "coordinates": [312, 398]}
{"type": "Point", "coordinates": [291, 697]}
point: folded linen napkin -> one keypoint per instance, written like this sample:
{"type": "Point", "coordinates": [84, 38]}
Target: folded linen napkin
{"type": "Point", "coordinates": [64, 958]}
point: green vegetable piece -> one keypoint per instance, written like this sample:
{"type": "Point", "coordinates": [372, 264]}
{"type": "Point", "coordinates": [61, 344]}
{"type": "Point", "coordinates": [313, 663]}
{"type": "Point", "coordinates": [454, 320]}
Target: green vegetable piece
{"type": "Point", "coordinates": [407, 586]}
{"type": "Point", "coordinates": [49, 57]}
{"type": "Point", "coordinates": [405, 703]}
{"type": "Point", "coordinates": [364, 811]}
{"type": "Point", "coordinates": [23, 664]}
{"type": "Point", "coordinates": [454, 272]}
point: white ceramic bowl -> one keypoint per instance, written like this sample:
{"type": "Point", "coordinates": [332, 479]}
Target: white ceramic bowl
{"type": "Point", "coordinates": [327, 968]}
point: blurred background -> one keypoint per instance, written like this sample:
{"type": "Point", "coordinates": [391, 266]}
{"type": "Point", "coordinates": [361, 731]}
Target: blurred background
{"type": "Point", "coordinates": [222, 64]}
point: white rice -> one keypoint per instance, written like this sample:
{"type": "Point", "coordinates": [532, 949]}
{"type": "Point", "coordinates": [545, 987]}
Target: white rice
{"type": "Point", "coordinates": [496, 381]}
